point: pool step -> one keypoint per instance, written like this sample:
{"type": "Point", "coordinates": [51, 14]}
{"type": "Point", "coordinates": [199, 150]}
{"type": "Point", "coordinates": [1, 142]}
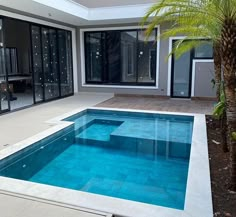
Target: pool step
{"type": "Point", "coordinates": [92, 142]}
{"type": "Point", "coordinates": [150, 146]}
{"type": "Point", "coordinates": [111, 139]}
{"type": "Point", "coordinates": [142, 146]}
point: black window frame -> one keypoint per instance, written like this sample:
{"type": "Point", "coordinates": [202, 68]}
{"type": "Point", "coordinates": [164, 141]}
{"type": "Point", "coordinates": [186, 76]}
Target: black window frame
{"type": "Point", "coordinates": [192, 57]}
{"type": "Point", "coordinates": [60, 96]}
{"type": "Point", "coordinates": [104, 71]}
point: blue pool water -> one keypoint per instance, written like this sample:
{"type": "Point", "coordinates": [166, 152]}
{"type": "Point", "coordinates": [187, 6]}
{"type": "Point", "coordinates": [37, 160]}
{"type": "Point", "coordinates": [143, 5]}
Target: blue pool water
{"type": "Point", "coordinates": [134, 156]}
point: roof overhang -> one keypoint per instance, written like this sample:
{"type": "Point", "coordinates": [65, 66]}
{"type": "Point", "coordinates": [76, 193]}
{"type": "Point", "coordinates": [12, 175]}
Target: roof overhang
{"type": "Point", "coordinates": [95, 14]}
{"type": "Point", "coordinates": [75, 14]}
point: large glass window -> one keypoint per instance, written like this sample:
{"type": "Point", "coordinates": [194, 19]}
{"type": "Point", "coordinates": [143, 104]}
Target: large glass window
{"type": "Point", "coordinates": [113, 57]}
{"type": "Point", "coordinates": [121, 57]}
{"type": "Point", "coordinates": [94, 51]}
{"type": "Point", "coordinates": [204, 51]}
{"type": "Point", "coordinates": [128, 56]}
{"type": "Point", "coordinates": [146, 58]}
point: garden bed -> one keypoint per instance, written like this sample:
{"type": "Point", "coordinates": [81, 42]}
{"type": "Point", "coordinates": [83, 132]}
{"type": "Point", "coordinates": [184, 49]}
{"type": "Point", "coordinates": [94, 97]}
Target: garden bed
{"type": "Point", "coordinates": [224, 201]}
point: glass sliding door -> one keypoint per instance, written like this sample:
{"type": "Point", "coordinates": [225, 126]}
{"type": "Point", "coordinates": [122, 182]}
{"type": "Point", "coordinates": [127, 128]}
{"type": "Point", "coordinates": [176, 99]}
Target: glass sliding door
{"type": "Point", "coordinates": [52, 63]}
{"type": "Point", "coordinates": [52, 77]}
{"type": "Point", "coordinates": [4, 86]}
{"type": "Point", "coordinates": [65, 62]}
{"type": "Point", "coordinates": [18, 61]}
{"type": "Point", "coordinates": [146, 57]}
{"type": "Point", "coordinates": [181, 76]}
{"type": "Point", "coordinates": [38, 75]}
{"type": "Point", "coordinates": [35, 66]}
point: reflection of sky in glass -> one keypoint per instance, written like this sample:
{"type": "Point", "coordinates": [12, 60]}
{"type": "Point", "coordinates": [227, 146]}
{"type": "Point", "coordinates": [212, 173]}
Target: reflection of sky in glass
{"type": "Point", "coordinates": [132, 34]}
{"type": "Point", "coordinates": [142, 36]}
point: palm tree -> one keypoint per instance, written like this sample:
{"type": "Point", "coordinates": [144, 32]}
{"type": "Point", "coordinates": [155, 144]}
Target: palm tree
{"type": "Point", "coordinates": [187, 19]}
{"type": "Point", "coordinates": [214, 19]}
{"type": "Point", "coordinates": [229, 72]}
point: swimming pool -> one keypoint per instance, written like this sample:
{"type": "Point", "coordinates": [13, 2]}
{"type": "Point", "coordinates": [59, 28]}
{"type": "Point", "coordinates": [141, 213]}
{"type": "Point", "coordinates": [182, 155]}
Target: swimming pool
{"type": "Point", "coordinates": [136, 156]}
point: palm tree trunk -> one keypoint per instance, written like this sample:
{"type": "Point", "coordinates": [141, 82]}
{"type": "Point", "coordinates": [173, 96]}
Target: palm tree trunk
{"type": "Point", "coordinates": [229, 70]}
{"type": "Point", "coordinates": [223, 128]}
{"type": "Point", "coordinates": [218, 83]}
{"type": "Point", "coordinates": [217, 65]}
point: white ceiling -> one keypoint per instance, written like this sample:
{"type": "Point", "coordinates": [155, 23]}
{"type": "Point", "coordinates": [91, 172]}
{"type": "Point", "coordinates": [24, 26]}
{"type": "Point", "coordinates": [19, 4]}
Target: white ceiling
{"type": "Point", "coordinates": [111, 3]}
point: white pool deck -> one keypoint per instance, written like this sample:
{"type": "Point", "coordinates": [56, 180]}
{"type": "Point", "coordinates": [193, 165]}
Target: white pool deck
{"type": "Point", "coordinates": [43, 122]}
{"type": "Point", "coordinates": [20, 125]}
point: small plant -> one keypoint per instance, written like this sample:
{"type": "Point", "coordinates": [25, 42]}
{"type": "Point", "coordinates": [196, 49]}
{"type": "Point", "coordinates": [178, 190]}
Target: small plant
{"type": "Point", "coordinates": [220, 107]}
{"type": "Point", "coordinates": [234, 136]}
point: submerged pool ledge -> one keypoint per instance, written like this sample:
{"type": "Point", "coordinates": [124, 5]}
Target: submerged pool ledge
{"type": "Point", "coordinates": [198, 200]}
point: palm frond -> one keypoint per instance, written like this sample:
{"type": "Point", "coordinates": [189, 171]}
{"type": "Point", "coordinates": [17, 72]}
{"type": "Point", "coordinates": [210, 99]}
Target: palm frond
{"type": "Point", "coordinates": [234, 135]}
{"type": "Point", "coordinates": [190, 18]}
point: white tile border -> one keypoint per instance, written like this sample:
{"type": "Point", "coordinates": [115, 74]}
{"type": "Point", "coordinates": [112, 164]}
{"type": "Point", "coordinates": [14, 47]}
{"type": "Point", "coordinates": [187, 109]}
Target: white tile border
{"type": "Point", "coordinates": [198, 201]}
{"type": "Point", "coordinates": [55, 204]}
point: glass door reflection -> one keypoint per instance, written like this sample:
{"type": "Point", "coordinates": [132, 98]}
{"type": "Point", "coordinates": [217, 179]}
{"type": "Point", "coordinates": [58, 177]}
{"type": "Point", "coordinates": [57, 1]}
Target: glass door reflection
{"type": "Point", "coordinates": [181, 75]}
{"type": "Point", "coordinates": [4, 87]}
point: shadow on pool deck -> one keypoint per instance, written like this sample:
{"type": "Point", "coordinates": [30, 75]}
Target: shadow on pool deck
{"type": "Point", "coordinates": [160, 104]}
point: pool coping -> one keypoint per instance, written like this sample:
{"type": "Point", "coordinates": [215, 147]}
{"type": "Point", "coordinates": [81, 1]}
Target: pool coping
{"type": "Point", "coordinates": [198, 201]}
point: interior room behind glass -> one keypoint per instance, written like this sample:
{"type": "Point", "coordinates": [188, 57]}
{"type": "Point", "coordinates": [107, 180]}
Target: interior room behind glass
{"type": "Point", "coordinates": [18, 62]}
{"type": "Point", "coordinates": [35, 64]}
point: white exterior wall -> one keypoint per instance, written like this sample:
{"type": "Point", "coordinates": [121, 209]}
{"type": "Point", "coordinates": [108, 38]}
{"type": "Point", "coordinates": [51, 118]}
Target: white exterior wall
{"type": "Point", "coordinates": [164, 65]}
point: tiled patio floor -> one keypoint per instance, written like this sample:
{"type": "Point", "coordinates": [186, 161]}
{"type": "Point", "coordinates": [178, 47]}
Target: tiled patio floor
{"type": "Point", "coordinates": [160, 104]}
{"type": "Point", "coordinates": [20, 125]}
